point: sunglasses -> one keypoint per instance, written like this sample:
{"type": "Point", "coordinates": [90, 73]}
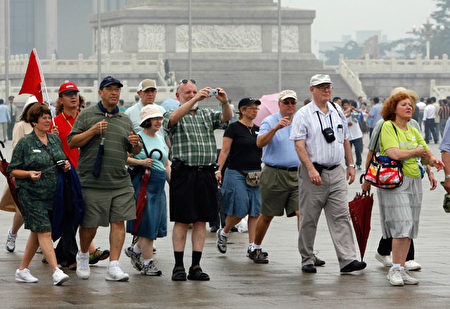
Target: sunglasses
{"type": "Point", "coordinates": [185, 81]}
{"type": "Point", "coordinates": [289, 102]}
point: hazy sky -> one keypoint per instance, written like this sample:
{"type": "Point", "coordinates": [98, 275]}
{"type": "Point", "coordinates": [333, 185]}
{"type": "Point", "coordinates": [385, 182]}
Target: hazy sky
{"type": "Point", "coordinates": [335, 18]}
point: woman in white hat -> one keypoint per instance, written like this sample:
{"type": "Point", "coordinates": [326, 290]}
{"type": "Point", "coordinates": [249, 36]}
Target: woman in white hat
{"type": "Point", "coordinates": [153, 223]}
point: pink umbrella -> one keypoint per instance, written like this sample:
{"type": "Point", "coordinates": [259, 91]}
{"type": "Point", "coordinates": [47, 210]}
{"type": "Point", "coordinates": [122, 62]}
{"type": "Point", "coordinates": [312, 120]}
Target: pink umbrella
{"type": "Point", "coordinates": [269, 106]}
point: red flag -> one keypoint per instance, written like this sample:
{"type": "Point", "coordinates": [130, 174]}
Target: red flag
{"type": "Point", "coordinates": [33, 77]}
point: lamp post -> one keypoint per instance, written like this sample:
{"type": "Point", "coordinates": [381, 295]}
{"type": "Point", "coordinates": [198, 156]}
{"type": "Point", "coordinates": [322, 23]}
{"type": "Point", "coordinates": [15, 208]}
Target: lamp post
{"type": "Point", "coordinates": [427, 30]}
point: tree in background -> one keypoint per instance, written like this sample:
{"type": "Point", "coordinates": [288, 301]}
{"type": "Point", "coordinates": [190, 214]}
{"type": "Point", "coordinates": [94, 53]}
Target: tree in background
{"type": "Point", "coordinates": [440, 42]}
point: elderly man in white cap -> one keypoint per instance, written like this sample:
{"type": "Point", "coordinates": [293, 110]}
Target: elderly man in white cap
{"type": "Point", "coordinates": [320, 133]}
{"type": "Point", "coordinates": [147, 92]}
{"type": "Point", "coordinates": [279, 181]}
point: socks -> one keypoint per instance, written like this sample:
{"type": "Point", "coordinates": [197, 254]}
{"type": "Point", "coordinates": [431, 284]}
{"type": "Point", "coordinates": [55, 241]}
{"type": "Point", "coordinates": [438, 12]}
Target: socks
{"type": "Point", "coordinates": [146, 262]}
{"type": "Point", "coordinates": [136, 249]}
{"type": "Point", "coordinates": [257, 246]}
{"type": "Point", "coordinates": [224, 234]}
{"type": "Point", "coordinates": [178, 258]}
{"type": "Point", "coordinates": [396, 266]}
{"type": "Point", "coordinates": [114, 263]}
{"type": "Point", "coordinates": [196, 256]}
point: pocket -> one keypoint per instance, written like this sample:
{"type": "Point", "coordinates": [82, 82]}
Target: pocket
{"type": "Point", "coordinates": [340, 134]}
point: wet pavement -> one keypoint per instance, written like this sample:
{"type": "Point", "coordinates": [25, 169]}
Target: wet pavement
{"type": "Point", "coordinates": [236, 282]}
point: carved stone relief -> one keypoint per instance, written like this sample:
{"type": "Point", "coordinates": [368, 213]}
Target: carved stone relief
{"type": "Point", "coordinates": [217, 38]}
{"type": "Point", "coordinates": [289, 39]}
{"type": "Point", "coordinates": [152, 38]}
{"type": "Point", "coordinates": [116, 39]}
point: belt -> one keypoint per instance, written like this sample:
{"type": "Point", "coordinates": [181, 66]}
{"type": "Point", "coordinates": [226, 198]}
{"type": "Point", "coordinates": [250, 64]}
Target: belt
{"type": "Point", "coordinates": [323, 167]}
{"type": "Point", "coordinates": [289, 169]}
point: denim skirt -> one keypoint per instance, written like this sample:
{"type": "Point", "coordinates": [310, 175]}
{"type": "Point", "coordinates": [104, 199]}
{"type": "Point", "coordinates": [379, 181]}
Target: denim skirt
{"type": "Point", "coordinates": [238, 198]}
{"type": "Point", "coordinates": [154, 217]}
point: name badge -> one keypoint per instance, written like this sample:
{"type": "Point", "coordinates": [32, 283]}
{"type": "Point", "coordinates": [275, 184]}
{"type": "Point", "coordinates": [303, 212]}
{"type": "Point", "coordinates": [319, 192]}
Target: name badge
{"type": "Point", "coordinates": [36, 150]}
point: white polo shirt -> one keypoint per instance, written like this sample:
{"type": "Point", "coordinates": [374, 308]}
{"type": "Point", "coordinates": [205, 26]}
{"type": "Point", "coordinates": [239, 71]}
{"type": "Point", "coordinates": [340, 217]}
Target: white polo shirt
{"type": "Point", "coordinates": [306, 126]}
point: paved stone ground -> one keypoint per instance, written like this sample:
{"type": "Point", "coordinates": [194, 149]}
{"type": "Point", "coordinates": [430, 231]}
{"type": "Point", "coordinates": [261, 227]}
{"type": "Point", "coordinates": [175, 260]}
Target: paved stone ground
{"type": "Point", "coordinates": [236, 282]}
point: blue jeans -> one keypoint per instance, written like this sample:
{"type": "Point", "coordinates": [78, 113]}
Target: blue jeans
{"type": "Point", "coordinates": [358, 144]}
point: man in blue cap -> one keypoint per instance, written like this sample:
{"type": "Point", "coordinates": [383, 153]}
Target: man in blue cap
{"type": "Point", "coordinates": [108, 193]}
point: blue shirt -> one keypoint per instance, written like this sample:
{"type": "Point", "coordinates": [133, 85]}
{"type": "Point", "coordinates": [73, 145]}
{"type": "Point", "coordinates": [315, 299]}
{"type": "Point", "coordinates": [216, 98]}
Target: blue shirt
{"type": "Point", "coordinates": [151, 143]}
{"type": "Point", "coordinates": [281, 150]}
{"type": "Point", "coordinates": [375, 115]}
{"type": "Point", "coordinates": [445, 144]}
{"type": "Point", "coordinates": [4, 114]}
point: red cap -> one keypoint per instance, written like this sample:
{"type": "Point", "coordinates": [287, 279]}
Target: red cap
{"type": "Point", "coordinates": [67, 87]}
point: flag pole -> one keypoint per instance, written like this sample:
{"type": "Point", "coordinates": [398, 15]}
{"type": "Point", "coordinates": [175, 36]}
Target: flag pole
{"type": "Point", "coordinates": [41, 73]}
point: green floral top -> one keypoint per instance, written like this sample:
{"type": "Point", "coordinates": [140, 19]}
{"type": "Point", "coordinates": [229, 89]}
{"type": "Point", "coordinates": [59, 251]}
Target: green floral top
{"type": "Point", "coordinates": [30, 155]}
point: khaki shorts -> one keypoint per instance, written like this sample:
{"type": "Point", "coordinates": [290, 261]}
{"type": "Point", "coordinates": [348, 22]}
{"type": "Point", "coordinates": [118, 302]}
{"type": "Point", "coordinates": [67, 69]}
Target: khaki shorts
{"type": "Point", "coordinates": [108, 205]}
{"type": "Point", "coordinates": [279, 192]}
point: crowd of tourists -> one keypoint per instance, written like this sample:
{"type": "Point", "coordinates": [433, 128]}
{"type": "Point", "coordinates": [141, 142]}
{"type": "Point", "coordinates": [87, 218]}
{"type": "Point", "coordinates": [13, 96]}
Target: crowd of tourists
{"type": "Point", "coordinates": [102, 166]}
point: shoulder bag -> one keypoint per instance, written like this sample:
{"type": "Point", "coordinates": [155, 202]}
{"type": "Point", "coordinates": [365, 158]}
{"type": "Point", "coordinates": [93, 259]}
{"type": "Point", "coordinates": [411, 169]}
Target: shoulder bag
{"type": "Point", "coordinates": [383, 172]}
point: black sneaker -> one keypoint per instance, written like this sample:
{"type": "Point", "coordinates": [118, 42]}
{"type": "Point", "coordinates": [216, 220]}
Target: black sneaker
{"type": "Point", "coordinates": [317, 261]}
{"type": "Point", "coordinates": [262, 252]}
{"type": "Point", "coordinates": [196, 273]}
{"type": "Point", "coordinates": [309, 269]}
{"type": "Point", "coordinates": [353, 266]}
{"type": "Point", "coordinates": [258, 257]}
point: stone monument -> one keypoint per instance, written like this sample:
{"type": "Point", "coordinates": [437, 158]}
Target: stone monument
{"type": "Point", "coordinates": [234, 42]}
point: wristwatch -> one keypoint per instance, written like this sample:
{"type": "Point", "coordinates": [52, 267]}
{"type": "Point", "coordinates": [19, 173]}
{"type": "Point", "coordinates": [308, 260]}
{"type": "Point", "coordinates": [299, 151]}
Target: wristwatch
{"type": "Point", "coordinates": [351, 165]}
{"type": "Point", "coordinates": [447, 176]}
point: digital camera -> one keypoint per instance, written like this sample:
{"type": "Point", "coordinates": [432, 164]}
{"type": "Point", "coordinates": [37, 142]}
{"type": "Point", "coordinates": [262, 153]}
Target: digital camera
{"type": "Point", "coordinates": [213, 92]}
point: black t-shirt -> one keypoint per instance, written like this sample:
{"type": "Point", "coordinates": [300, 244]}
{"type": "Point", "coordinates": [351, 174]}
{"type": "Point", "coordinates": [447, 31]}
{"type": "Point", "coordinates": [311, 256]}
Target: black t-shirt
{"type": "Point", "coordinates": [244, 154]}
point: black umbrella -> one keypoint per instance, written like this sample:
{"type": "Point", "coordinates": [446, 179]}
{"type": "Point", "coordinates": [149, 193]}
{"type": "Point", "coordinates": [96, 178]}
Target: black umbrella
{"type": "Point", "coordinates": [99, 159]}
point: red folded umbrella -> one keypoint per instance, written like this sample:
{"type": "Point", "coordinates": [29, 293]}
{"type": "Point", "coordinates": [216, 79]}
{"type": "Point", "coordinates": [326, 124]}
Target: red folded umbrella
{"type": "Point", "coordinates": [361, 212]}
{"type": "Point", "coordinates": [142, 196]}
{"type": "Point", "coordinates": [9, 179]}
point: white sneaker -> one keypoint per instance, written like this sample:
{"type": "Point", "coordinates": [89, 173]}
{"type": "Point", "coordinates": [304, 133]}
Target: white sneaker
{"type": "Point", "coordinates": [11, 242]}
{"type": "Point", "coordinates": [24, 275]}
{"type": "Point", "coordinates": [83, 270]}
{"type": "Point", "coordinates": [115, 273]}
{"type": "Point", "coordinates": [395, 277]}
{"type": "Point", "coordinates": [407, 279]}
{"type": "Point", "coordinates": [384, 259]}
{"type": "Point", "coordinates": [59, 277]}
{"type": "Point", "coordinates": [412, 265]}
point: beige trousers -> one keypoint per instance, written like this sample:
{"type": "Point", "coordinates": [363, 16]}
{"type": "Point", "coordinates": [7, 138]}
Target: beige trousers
{"type": "Point", "coordinates": [331, 196]}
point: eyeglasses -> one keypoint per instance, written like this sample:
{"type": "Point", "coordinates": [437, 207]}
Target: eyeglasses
{"type": "Point", "coordinates": [289, 102]}
{"type": "Point", "coordinates": [324, 87]}
{"type": "Point", "coordinates": [253, 108]}
{"type": "Point", "coordinates": [185, 81]}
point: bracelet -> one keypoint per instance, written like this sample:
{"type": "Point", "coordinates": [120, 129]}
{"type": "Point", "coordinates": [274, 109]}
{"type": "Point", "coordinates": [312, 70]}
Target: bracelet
{"type": "Point", "coordinates": [218, 171]}
{"type": "Point", "coordinates": [351, 165]}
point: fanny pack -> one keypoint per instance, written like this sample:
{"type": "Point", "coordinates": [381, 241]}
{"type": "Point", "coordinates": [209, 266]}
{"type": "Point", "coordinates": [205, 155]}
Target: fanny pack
{"type": "Point", "coordinates": [251, 178]}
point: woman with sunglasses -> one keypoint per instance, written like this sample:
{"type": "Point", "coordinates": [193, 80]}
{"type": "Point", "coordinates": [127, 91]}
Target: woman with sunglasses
{"type": "Point", "coordinates": [240, 199]}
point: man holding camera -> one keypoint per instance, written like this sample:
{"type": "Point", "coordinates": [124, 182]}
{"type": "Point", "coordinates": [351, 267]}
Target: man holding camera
{"type": "Point", "coordinates": [193, 186]}
{"type": "Point", "coordinates": [321, 141]}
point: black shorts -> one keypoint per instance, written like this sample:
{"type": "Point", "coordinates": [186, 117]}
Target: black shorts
{"type": "Point", "coordinates": [192, 194]}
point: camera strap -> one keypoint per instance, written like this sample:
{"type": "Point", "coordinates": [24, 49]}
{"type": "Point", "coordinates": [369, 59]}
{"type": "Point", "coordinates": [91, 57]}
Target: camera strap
{"type": "Point", "coordinates": [321, 127]}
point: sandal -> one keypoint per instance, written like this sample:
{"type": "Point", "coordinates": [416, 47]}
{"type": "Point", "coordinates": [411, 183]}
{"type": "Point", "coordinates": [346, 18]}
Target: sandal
{"type": "Point", "coordinates": [178, 273]}
{"type": "Point", "coordinates": [196, 273]}
{"type": "Point", "coordinates": [98, 255]}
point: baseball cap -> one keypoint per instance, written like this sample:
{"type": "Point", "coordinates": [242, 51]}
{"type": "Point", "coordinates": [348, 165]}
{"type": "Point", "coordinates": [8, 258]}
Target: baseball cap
{"type": "Point", "coordinates": [247, 102]}
{"type": "Point", "coordinates": [320, 79]}
{"type": "Point", "coordinates": [147, 84]}
{"type": "Point", "coordinates": [109, 80]}
{"type": "Point", "coordinates": [149, 111]}
{"type": "Point", "coordinates": [287, 94]}
{"type": "Point", "coordinates": [67, 87]}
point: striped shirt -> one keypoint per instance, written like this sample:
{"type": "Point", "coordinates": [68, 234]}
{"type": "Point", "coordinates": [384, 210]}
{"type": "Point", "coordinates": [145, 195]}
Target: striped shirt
{"type": "Point", "coordinates": [192, 138]}
{"type": "Point", "coordinates": [444, 112]}
{"type": "Point", "coordinates": [306, 126]}
{"type": "Point", "coordinates": [113, 174]}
